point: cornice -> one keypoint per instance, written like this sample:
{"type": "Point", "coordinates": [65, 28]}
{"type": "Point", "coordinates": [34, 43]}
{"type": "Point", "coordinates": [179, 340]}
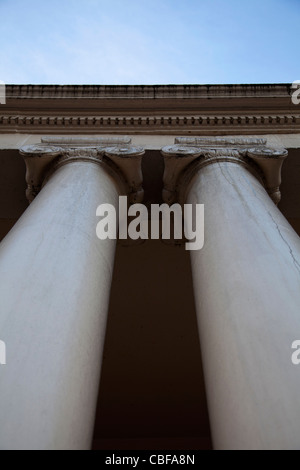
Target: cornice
{"type": "Point", "coordinates": [156, 110]}
{"type": "Point", "coordinates": [189, 155]}
{"type": "Point", "coordinates": [146, 91]}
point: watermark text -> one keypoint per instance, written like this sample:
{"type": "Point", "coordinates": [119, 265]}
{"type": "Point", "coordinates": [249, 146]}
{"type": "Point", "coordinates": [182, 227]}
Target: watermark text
{"type": "Point", "coordinates": [296, 93]}
{"type": "Point", "coordinates": [2, 92]}
{"type": "Point", "coordinates": [2, 353]}
{"type": "Point", "coordinates": [296, 354]}
{"type": "Point", "coordinates": [168, 222]}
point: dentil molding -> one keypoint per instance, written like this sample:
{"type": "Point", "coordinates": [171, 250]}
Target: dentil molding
{"type": "Point", "coordinates": [160, 124]}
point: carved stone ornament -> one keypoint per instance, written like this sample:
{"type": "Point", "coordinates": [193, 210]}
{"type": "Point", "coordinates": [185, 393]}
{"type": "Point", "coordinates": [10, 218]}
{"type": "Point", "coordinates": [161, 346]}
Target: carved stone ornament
{"type": "Point", "coordinates": [190, 154]}
{"type": "Point", "coordinates": [118, 157]}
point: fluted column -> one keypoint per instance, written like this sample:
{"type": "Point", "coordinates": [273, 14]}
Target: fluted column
{"type": "Point", "coordinates": [55, 277]}
{"type": "Point", "coordinates": [247, 289]}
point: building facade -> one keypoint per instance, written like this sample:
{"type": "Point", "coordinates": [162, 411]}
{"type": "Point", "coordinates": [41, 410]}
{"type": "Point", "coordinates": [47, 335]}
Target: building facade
{"type": "Point", "coordinates": [192, 350]}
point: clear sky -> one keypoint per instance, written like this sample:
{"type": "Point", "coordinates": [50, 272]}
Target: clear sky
{"type": "Point", "coordinates": [149, 41]}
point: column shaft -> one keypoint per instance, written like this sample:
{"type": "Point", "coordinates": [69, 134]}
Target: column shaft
{"type": "Point", "coordinates": [55, 278]}
{"type": "Point", "coordinates": [247, 290]}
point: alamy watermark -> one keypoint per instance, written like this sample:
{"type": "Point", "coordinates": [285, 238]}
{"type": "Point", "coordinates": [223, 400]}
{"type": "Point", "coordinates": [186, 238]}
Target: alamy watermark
{"type": "Point", "coordinates": [168, 222]}
{"type": "Point", "coordinates": [296, 354]}
{"type": "Point", "coordinates": [2, 92]}
{"type": "Point", "coordinates": [2, 353]}
{"type": "Point", "coordinates": [296, 93]}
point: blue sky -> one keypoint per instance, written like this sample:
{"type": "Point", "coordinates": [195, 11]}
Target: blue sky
{"type": "Point", "coordinates": [149, 41]}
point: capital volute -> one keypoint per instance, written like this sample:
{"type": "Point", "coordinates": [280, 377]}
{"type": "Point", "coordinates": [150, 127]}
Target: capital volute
{"type": "Point", "coordinates": [270, 161]}
{"type": "Point", "coordinates": [115, 155]}
{"type": "Point", "coordinates": [189, 155]}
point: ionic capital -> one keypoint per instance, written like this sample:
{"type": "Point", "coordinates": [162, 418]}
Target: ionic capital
{"type": "Point", "coordinates": [115, 154]}
{"type": "Point", "coordinates": [184, 159]}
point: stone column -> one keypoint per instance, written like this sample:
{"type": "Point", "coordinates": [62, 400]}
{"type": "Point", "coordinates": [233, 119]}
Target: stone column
{"type": "Point", "coordinates": [247, 289]}
{"type": "Point", "coordinates": [55, 277]}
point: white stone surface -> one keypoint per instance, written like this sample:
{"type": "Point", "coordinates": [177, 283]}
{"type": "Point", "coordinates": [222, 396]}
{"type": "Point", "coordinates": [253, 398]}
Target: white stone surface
{"type": "Point", "coordinates": [149, 142]}
{"type": "Point", "coordinates": [247, 290]}
{"type": "Point", "coordinates": [55, 278]}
